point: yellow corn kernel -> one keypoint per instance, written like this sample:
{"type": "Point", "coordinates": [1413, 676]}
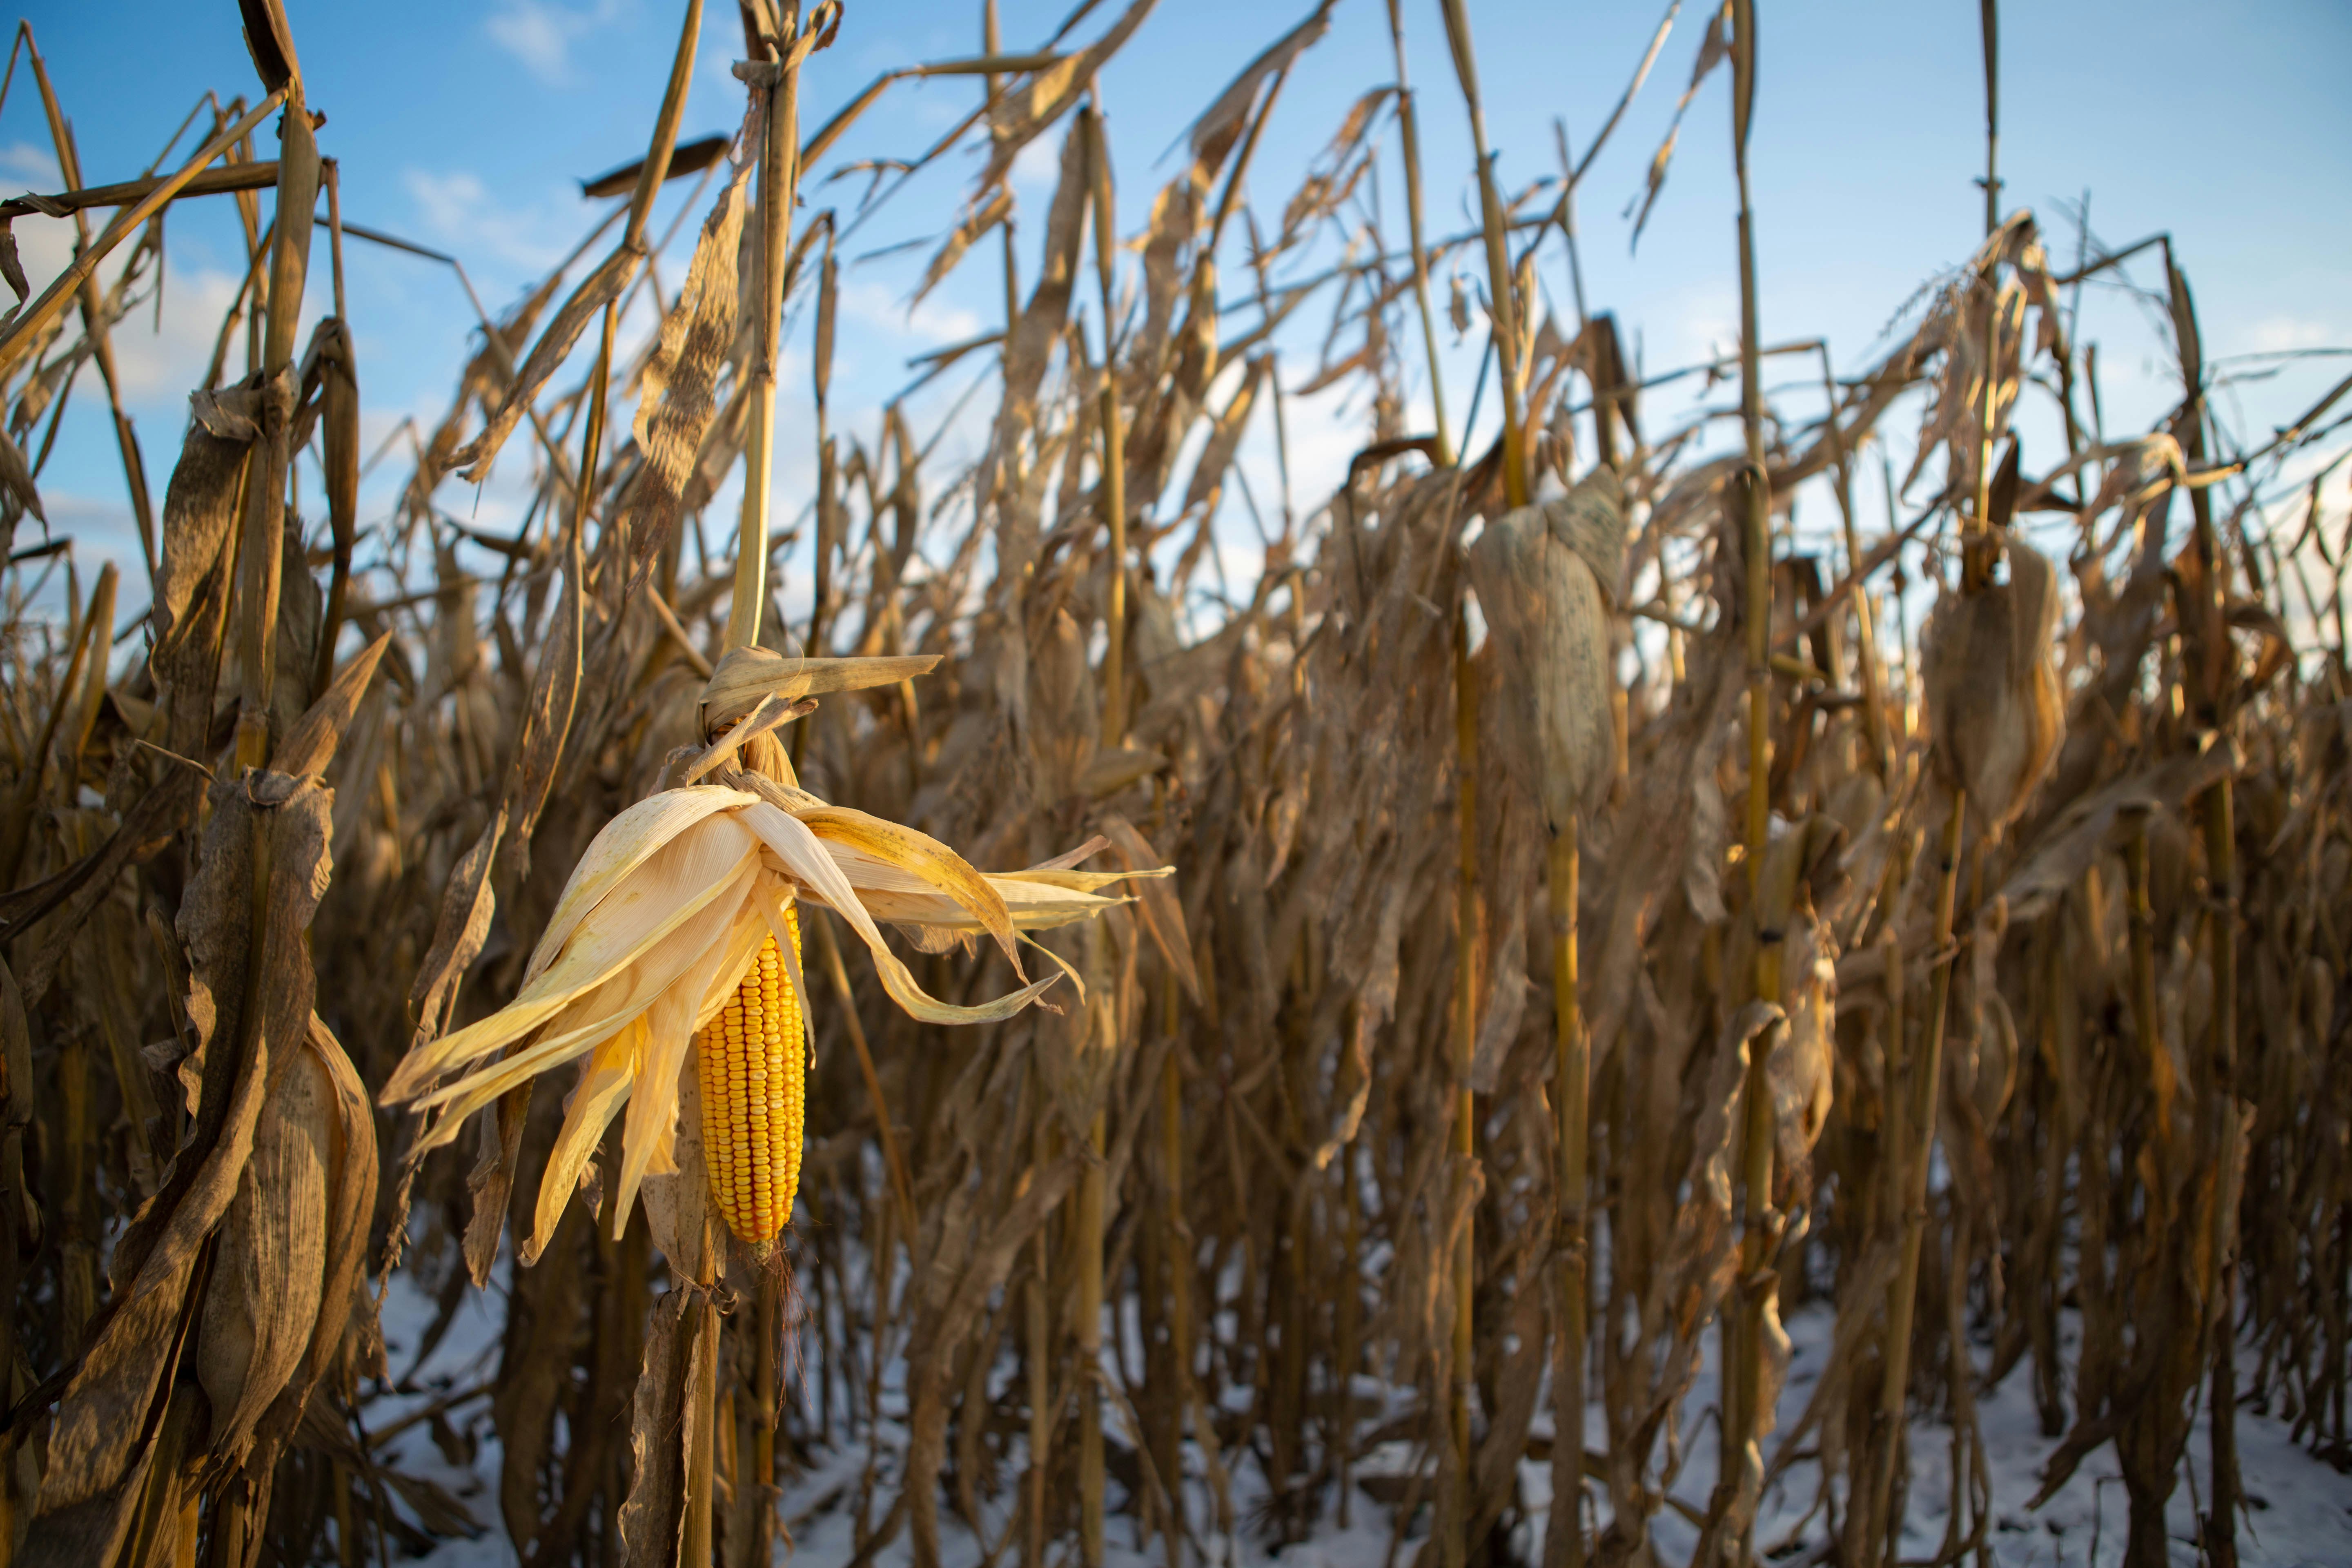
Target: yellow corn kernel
{"type": "Point", "coordinates": [752, 1074]}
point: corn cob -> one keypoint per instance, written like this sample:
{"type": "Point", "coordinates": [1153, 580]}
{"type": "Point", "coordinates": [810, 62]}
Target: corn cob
{"type": "Point", "coordinates": [753, 1077]}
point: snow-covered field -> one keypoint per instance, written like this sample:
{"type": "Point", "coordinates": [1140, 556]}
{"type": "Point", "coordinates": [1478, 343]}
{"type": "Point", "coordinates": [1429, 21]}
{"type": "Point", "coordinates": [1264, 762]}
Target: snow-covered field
{"type": "Point", "coordinates": [2300, 1509]}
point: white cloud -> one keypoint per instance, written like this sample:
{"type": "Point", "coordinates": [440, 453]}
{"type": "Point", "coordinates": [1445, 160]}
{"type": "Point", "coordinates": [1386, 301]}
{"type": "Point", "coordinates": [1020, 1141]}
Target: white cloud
{"type": "Point", "coordinates": [157, 366]}
{"type": "Point", "coordinates": [45, 245]}
{"type": "Point", "coordinates": [21, 161]}
{"type": "Point", "coordinates": [162, 366]}
{"type": "Point", "coordinates": [1037, 167]}
{"type": "Point", "coordinates": [932, 323]}
{"type": "Point", "coordinates": [540, 34]}
{"type": "Point", "coordinates": [1707, 326]}
{"type": "Point", "coordinates": [2278, 334]}
{"type": "Point", "coordinates": [458, 209]}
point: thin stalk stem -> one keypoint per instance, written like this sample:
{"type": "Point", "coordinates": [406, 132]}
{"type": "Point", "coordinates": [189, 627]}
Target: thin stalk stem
{"type": "Point", "coordinates": [1089, 1221]}
{"type": "Point", "coordinates": [992, 41]}
{"type": "Point", "coordinates": [767, 1323]}
{"type": "Point", "coordinates": [1180, 1261]}
{"type": "Point", "coordinates": [1466, 734]}
{"type": "Point", "coordinates": [1566, 212]}
{"type": "Point", "coordinates": [1038, 1323]}
{"type": "Point", "coordinates": [1572, 1094]}
{"type": "Point", "coordinates": [701, 1351]}
{"type": "Point", "coordinates": [1872, 1477]}
{"type": "Point", "coordinates": [1453, 1518]}
{"type": "Point", "coordinates": [1920, 1137]}
{"type": "Point", "coordinates": [1743, 1361]}
{"type": "Point", "coordinates": [592, 438]}
{"type": "Point", "coordinates": [828, 468]}
{"type": "Point", "coordinates": [2220, 1531]}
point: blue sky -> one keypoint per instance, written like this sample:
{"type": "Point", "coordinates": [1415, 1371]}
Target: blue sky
{"type": "Point", "coordinates": [465, 127]}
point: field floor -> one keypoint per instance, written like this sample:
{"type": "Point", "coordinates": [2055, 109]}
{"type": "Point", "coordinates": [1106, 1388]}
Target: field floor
{"type": "Point", "coordinates": [2301, 1507]}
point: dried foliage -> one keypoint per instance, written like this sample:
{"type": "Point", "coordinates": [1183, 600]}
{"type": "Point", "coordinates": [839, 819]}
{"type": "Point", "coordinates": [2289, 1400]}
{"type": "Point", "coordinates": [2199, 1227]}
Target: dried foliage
{"type": "Point", "coordinates": [2059, 893]}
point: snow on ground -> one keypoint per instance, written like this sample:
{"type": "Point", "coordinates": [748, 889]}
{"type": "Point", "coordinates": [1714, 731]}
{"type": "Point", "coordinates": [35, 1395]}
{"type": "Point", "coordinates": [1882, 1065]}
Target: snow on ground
{"type": "Point", "coordinates": [2300, 1508]}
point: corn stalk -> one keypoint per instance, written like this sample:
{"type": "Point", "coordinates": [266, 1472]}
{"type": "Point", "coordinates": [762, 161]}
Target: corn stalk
{"type": "Point", "coordinates": [1745, 1419]}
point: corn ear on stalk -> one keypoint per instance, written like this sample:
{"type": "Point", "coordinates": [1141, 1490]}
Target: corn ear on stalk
{"type": "Point", "coordinates": [666, 938]}
{"type": "Point", "coordinates": [754, 1078]}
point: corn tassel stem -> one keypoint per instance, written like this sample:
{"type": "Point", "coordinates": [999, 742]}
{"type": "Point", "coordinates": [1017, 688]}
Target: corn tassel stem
{"type": "Point", "coordinates": [779, 175]}
{"type": "Point", "coordinates": [1988, 12]}
{"type": "Point", "coordinates": [1874, 700]}
{"type": "Point", "coordinates": [1499, 260]}
{"type": "Point", "coordinates": [341, 480]}
{"type": "Point", "coordinates": [1976, 563]}
{"type": "Point", "coordinates": [1114, 453]}
{"type": "Point", "coordinates": [1409, 132]}
{"type": "Point", "coordinates": [1926, 1073]}
{"type": "Point", "coordinates": [1092, 1197]}
{"type": "Point", "coordinates": [1989, 17]}
{"type": "Point", "coordinates": [261, 556]}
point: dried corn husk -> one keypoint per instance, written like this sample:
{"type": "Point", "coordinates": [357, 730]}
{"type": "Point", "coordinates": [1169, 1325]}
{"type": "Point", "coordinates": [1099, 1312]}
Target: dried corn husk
{"type": "Point", "coordinates": [263, 1297]}
{"type": "Point", "coordinates": [1994, 710]}
{"type": "Point", "coordinates": [662, 914]}
{"type": "Point", "coordinates": [288, 1261]}
{"type": "Point", "coordinates": [1547, 580]}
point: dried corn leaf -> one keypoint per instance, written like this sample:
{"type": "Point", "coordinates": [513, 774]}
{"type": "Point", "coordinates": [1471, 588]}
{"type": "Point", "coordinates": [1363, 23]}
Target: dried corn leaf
{"type": "Point", "coordinates": [974, 226]}
{"type": "Point", "coordinates": [1022, 117]}
{"type": "Point", "coordinates": [675, 409]}
{"type": "Point", "coordinates": [1713, 48]}
{"type": "Point", "coordinates": [600, 288]}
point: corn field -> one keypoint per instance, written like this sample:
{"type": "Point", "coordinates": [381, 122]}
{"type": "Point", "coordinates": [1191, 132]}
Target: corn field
{"type": "Point", "coordinates": [1563, 1023]}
